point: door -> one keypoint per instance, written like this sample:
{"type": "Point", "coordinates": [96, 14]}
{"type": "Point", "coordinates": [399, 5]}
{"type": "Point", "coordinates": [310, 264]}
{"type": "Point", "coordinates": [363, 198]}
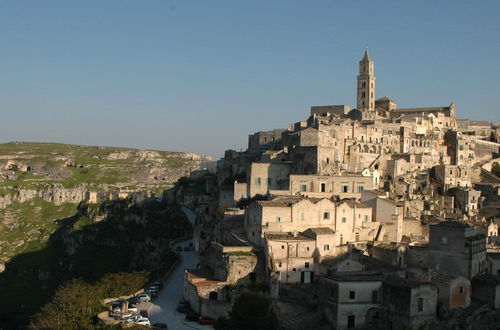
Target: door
{"type": "Point", "coordinates": [350, 322]}
{"type": "Point", "coordinates": [306, 277]}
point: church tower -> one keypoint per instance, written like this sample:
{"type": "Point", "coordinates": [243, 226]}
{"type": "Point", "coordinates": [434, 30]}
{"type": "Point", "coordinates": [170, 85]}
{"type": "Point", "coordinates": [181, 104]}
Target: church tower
{"type": "Point", "coordinates": [366, 84]}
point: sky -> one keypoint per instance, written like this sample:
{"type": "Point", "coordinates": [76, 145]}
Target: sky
{"type": "Point", "coordinates": [202, 75]}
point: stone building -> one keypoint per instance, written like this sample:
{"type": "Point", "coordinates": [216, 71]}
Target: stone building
{"type": "Point", "coordinates": [348, 185]}
{"type": "Point", "coordinates": [291, 257]}
{"type": "Point", "coordinates": [457, 249]}
{"type": "Point", "coordinates": [453, 292]}
{"type": "Point", "coordinates": [408, 304]}
{"type": "Point", "coordinates": [354, 300]}
{"type": "Point", "coordinates": [208, 289]}
{"type": "Point", "coordinates": [351, 221]}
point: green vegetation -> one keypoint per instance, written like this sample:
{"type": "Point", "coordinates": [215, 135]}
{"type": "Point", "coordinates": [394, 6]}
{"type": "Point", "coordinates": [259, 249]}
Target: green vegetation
{"type": "Point", "coordinates": [495, 169]}
{"type": "Point", "coordinates": [252, 310]}
{"type": "Point", "coordinates": [32, 223]}
{"type": "Point", "coordinates": [76, 302]}
{"type": "Point", "coordinates": [129, 238]}
{"type": "Point", "coordinates": [72, 165]}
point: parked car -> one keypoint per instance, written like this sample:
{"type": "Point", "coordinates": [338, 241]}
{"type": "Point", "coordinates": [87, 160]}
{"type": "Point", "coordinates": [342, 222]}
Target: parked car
{"type": "Point", "coordinates": [126, 316]}
{"type": "Point", "coordinates": [133, 300]}
{"type": "Point", "coordinates": [183, 307]}
{"type": "Point", "coordinates": [133, 318]}
{"type": "Point", "coordinates": [152, 291]}
{"type": "Point", "coordinates": [186, 248]}
{"type": "Point", "coordinates": [159, 285]}
{"type": "Point", "coordinates": [206, 320]}
{"type": "Point", "coordinates": [143, 321]}
{"type": "Point", "coordinates": [144, 313]}
{"type": "Point", "coordinates": [116, 309]}
{"type": "Point", "coordinates": [132, 309]}
{"type": "Point", "coordinates": [192, 316]}
{"type": "Point", "coordinates": [144, 297]}
{"type": "Point", "coordinates": [159, 326]}
{"type": "Point", "coordinates": [178, 249]}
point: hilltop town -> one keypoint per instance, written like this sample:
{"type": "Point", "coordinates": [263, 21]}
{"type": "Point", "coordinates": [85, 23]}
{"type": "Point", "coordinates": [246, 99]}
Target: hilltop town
{"type": "Point", "coordinates": [374, 217]}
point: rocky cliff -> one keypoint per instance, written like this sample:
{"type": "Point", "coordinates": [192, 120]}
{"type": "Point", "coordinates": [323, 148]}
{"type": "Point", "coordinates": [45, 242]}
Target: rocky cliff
{"type": "Point", "coordinates": [42, 182]}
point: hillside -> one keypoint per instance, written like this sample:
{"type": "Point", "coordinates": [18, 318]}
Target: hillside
{"type": "Point", "coordinates": [42, 182]}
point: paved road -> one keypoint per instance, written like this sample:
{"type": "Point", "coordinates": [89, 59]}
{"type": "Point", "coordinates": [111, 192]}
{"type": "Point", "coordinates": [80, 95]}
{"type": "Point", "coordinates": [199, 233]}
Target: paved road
{"type": "Point", "coordinates": [163, 307]}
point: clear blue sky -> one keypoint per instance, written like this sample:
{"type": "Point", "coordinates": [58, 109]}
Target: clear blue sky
{"type": "Point", "coordinates": [202, 75]}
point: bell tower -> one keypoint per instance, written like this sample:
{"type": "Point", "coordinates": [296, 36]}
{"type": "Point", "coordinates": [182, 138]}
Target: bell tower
{"type": "Point", "coordinates": [366, 84]}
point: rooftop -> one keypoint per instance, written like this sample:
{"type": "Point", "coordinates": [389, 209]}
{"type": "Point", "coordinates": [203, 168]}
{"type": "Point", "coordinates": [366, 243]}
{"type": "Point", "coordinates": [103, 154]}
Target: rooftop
{"type": "Point", "coordinates": [287, 237]}
{"type": "Point", "coordinates": [361, 276]}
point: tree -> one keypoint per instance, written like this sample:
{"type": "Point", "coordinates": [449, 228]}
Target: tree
{"type": "Point", "coordinates": [252, 310]}
{"type": "Point", "coordinates": [72, 307]}
{"type": "Point", "coordinates": [495, 169]}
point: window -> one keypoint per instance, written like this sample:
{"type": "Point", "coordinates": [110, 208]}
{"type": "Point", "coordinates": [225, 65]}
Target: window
{"type": "Point", "coordinates": [374, 297]}
{"type": "Point", "coordinates": [302, 216]}
{"type": "Point", "coordinates": [345, 188]}
{"type": "Point", "coordinates": [282, 247]}
{"type": "Point", "coordinates": [278, 219]}
{"type": "Point", "coordinates": [444, 240]}
{"type": "Point", "coordinates": [356, 237]}
{"type": "Point", "coordinates": [344, 219]}
{"type": "Point", "coordinates": [326, 215]}
{"type": "Point", "coordinates": [295, 269]}
{"type": "Point", "coordinates": [461, 289]}
{"type": "Point", "coordinates": [269, 181]}
{"type": "Point", "coordinates": [352, 295]}
{"type": "Point", "coordinates": [280, 264]}
{"type": "Point", "coordinates": [323, 187]}
{"type": "Point", "coordinates": [326, 247]}
{"type": "Point", "coordinates": [307, 248]}
{"type": "Point", "coordinates": [307, 265]}
{"type": "Point", "coordinates": [366, 218]}
{"type": "Point", "coordinates": [303, 187]}
{"type": "Point", "coordinates": [360, 189]}
{"type": "Point", "coordinates": [257, 181]}
{"type": "Point", "coordinates": [253, 234]}
{"type": "Point", "coordinates": [420, 304]}
{"type": "Point", "coordinates": [212, 295]}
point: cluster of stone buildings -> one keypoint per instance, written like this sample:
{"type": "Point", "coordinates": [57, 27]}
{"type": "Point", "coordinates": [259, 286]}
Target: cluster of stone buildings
{"type": "Point", "coordinates": [386, 212]}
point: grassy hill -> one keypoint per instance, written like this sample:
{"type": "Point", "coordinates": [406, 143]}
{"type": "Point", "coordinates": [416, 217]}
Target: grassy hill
{"type": "Point", "coordinates": [26, 169]}
{"type": "Point", "coordinates": [27, 164]}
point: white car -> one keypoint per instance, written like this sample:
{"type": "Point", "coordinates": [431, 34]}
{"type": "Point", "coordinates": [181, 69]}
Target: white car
{"type": "Point", "coordinates": [143, 321]}
{"type": "Point", "coordinates": [144, 297]}
{"type": "Point", "coordinates": [132, 309]}
{"type": "Point", "coordinates": [134, 319]}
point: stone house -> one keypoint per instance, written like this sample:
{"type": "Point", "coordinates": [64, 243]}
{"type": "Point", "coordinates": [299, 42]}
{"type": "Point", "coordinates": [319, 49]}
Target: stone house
{"type": "Point", "coordinates": [453, 292]}
{"type": "Point", "coordinates": [467, 200]}
{"type": "Point", "coordinates": [344, 186]}
{"type": "Point", "coordinates": [263, 177]}
{"type": "Point", "coordinates": [263, 141]}
{"type": "Point", "coordinates": [450, 176]}
{"type": "Point", "coordinates": [457, 248]}
{"type": "Point", "coordinates": [349, 219]}
{"type": "Point", "coordinates": [408, 303]}
{"type": "Point", "coordinates": [493, 263]}
{"type": "Point", "coordinates": [486, 290]}
{"type": "Point", "coordinates": [209, 288]}
{"type": "Point", "coordinates": [291, 257]}
{"type": "Point", "coordinates": [354, 299]}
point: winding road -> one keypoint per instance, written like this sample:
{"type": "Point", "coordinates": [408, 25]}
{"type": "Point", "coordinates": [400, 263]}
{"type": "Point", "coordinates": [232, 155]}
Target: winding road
{"type": "Point", "coordinates": [163, 307]}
